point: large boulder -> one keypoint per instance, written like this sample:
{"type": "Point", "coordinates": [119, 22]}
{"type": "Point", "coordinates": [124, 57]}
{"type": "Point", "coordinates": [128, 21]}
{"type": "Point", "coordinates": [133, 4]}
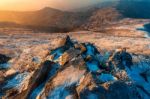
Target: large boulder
{"type": "Point", "coordinates": [63, 41]}
{"type": "Point", "coordinates": [47, 70]}
{"type": "Point", "coordinates": [81, 47]}
{"type": "Point", "coordinates": [121, 59]}
{"type": "Point", "coordinates": [68, 55]}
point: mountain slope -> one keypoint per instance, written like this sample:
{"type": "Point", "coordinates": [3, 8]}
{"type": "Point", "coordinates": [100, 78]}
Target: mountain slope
{"type": "Point", "coordinates": [102, 17]}
{"type": "Point", "coordinates": [28, 17]}
{"type": "Point", "coordinates": [46, 18]}
{"type": "Point", "coordinates": [94, 17]}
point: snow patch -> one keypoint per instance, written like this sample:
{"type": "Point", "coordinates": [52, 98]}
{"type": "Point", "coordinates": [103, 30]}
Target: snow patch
{"type": "Point", "coordinates": [147, 34]}
{"type": "Point", "coordinates": [92, 66]}
{"type": "Point", "coordinates": [57, 53]}
{"type": "Point", "coordinates": [16, 81]}
{"type": "Point", "coordinates": [106, 77]}
{"type": "Point", "coordinates": [5, 66]}
{"type": "Point", "coordinates": [135, 75]}
{"type": "Point", "coordinates": [39, 90]}
{"type": "Point", "coordinates": [59, 93]}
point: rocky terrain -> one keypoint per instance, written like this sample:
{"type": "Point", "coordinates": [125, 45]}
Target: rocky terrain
{"type": "Point", "coordinates": [88, 65]}
{"type": "Point", "coordinates": [101, 52]}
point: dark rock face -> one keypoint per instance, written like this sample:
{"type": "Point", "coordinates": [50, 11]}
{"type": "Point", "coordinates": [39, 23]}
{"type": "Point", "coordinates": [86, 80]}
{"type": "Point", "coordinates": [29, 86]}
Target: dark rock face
{"type": "Point", "coordinates": [77, 71]}
{"type": "Point", "coordinates": [3, 59]}
{"type": "Point", "coordinates": [121, 59]}
{"type": "Point", "coordinates": [40, 76]}
{"type": "Point", "coordinates": [63, 45]}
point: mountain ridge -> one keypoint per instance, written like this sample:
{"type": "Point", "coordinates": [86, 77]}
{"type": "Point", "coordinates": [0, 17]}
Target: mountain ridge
{"type": "Point", "coordinates": [94, 17]}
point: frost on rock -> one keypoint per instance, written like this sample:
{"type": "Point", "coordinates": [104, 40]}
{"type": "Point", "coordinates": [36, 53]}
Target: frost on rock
{"type": "Point", "coordinates": [75, 70]}
{"type": "Point", "coordinates": [5, 66]}
{"type": "Point", "coordinates": [93, 66]}
{"type": "Point", "coordinates": [36, 92]}
{"type": "Point", "coordinates": [57, 53]}
{"type": "Point", "coordinates": [107, 77]}
{"type": "Point", "coordinates": [16, 81]}
{"type": "Point", "coordinates": [59, 93]}
{"type": "Point", "coordinates": [140, 75]}
{"type": "Point", "coordinates": [47, 71]}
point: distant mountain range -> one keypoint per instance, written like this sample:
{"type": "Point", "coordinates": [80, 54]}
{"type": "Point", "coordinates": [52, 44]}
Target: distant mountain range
{"type": "Point", "coordinates": [47, 18]}
{"type": "Point", "coordinates": [53, 20]}
{"type": "Point", "coordinates": [96, 16]}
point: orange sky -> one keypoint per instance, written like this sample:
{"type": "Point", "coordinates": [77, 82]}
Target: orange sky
{"type": "Point", "coordinates": [25, 5]}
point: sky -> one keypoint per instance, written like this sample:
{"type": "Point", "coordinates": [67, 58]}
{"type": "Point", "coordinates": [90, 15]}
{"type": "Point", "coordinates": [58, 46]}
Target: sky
{"type": "Point", "coordinates": [27, 5]}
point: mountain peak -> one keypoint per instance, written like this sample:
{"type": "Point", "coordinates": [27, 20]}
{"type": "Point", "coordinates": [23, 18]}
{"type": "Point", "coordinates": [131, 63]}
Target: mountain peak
{"type": "Point", "coordinates": [49, 9]}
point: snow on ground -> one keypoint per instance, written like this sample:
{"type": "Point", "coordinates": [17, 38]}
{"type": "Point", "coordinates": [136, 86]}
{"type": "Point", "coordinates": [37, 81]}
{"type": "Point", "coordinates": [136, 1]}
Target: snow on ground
{"type": "Point", "coordinates": [92, 66]}
{"type": "Point", "coordinates": [5, 66]}
{"type": "Point", "coordinates": [57, 53]}
{"type": "Point", "coordinates": [18, 81]}
{"type": "Point", "coordinates": [106, 77]}
{"type": "Point", "coordinates": [142, 29]}
{"type": "Point", "coordinates": [38, 91]}
{"type": "Point", "coordinates": [142, 82]}
{"type": "Point", "coordinates": [37, 43]}
{"type": "Point", "coordinates": [68, 77]}
{"type": "Point", "coordinates": [59, 93]}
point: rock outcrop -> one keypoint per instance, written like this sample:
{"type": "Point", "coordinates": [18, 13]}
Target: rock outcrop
{"type": "Point", "coordinates": [76, 70]}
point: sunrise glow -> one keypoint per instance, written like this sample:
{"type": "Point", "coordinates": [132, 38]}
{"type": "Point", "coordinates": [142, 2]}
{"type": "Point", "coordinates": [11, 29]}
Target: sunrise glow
{"type": "Point", "coordinates": [25, 5]}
